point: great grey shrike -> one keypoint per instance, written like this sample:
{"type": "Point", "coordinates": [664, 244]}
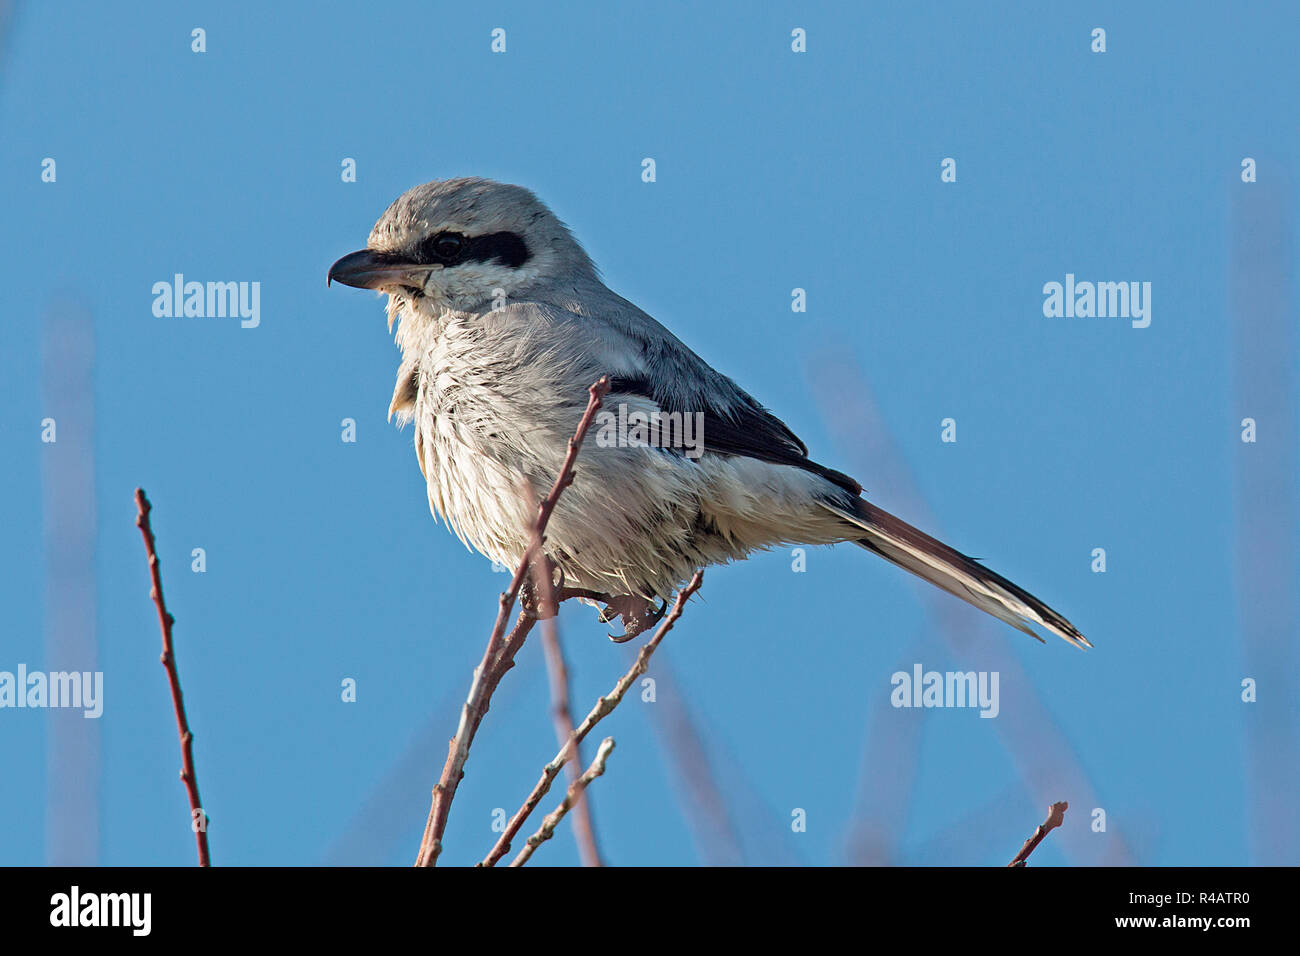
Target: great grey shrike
{"type": "Point", "coordinates": [503, 323]}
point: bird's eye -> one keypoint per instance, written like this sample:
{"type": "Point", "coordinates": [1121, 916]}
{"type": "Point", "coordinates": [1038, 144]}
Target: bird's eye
{"type": "Point", "coordinates": [446, 246]}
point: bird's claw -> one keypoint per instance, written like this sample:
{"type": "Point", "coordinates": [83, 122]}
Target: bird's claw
{"type": "Point", "coordinates": [638, 613]}
{"type": "Point", "coordinates": [638, 616]}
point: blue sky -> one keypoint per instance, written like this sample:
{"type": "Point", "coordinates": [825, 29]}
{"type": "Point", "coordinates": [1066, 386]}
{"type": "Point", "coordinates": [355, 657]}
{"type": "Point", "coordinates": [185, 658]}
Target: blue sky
{"type": "Point", "coordinates": [775, 170]}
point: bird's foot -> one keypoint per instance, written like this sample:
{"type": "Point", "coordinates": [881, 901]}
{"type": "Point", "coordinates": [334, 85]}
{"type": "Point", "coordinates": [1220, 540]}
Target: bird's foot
{"type": "Point", "coordinates": [537, 602]}
{"type": "Point", "coordinates": [638, 615]}
{"type": "Point", "coordinates": [583, 594]}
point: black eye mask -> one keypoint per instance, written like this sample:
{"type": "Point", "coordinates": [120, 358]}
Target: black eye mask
{"type": "Point", "coordinates": [452, 248]}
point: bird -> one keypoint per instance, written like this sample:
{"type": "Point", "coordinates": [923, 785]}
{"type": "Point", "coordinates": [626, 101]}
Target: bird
{"type": "Point", "coordinates": [503, 322]}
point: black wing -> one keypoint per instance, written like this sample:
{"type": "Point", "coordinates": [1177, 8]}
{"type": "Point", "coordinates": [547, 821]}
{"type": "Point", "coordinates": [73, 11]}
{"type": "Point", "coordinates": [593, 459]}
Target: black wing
{"type": "Point", "coordinates": [746, 429]}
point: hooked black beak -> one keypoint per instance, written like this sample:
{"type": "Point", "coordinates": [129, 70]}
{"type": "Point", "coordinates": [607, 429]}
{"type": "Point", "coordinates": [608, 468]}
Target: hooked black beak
{"type": "Point", "coordinates": [368, 269]}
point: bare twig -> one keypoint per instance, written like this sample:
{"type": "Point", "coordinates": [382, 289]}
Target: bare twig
{"type": "Point", "coordinates": [603, 707]}
{"type": "Point", "coordinates": [499, 655]}
{"type": "Point", "coordinates": [715, 820]}
{"type": "Point", "coordinates": [165, 621]}
{"type": "Point", "coordinates": [574, 795]}
{"type": "Point", "coordinates": [1055, 817]}
{"type": "Point", "coordinates": [584, 829]}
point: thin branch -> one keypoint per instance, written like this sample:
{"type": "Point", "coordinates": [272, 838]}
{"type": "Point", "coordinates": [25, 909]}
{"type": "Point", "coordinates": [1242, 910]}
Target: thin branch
{"type": "Point", "coordinates": [547, 829]}
{"type": "Point", "coordinates": [1055, 817]}
{"type": "Point", "coordinates": [165, 621]}
{"type": "Point", "coordinates": [584, 829]}
{"type": "Point", "coordinates": [498, 657]}
{"type": "Point", "coordinates": [715, 820]}
{"type": "Point", "coordinates": [603, 707]}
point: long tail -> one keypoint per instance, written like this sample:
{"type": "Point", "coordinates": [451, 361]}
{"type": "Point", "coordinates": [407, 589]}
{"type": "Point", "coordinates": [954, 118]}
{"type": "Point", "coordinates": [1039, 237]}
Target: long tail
{"type": "Point", "coordinates": [926, 557]}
